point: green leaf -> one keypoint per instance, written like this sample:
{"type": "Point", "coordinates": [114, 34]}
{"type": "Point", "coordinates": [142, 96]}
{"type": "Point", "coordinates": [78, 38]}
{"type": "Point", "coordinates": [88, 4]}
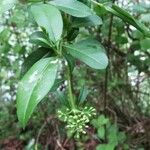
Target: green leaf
{"type": "Point", "coordinates": [125, 16]}
{"type": "Point", "coordinates": [121, 137]}
{"type": "Point", "coordinates": [19, 17]}
{"type": "Point", "coordinates": [100, 121]}
{"type": "Point", "coordinates": [90, 51]}
{"type": "Point", "coordinates": [73, 7]}
{"type": "Point", "coordinates": [48, 17]}
{"type": "Point", "coordinates": [83, 94]}
{"type": "Point", "coordinates": [145, 44]}
{"type": "Point", "coordinates": [105, 147]}
{"type": "Point", "coordinates": [137, 34]}
{"type": "Point", "coordinates": [121, 39]}
{"type": "Point", "coordinates": [39, 38]}
{"type": "Point", "coordinates": [5, 35]}
{"type": "Point", "coordinates": [101, 132]}
{"type": "Point", "coordinates": [34, 86]}
{"type": "Point", "coordinates": [33, 58]}
{"type": "Point", "coordinates": [92, 20]}
{"type": "Point", "coordinates": [112, 135]}
{"type": "Point", "coordinates": [6, 5]}
{"type": "Point", "coordinates": [5, 48]}
{"type": "Point", "coordinates": [18, 48]}
{"type": "Point", "coordinates": [70, 61]}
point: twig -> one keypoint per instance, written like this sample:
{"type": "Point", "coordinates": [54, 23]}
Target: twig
{"type": "Point", "coordinates": [41, 129]}
{"type": "Point", "coordinates": [108, 51]}
{"type": "Point", "coordinates": [66, 141]}
{"type": "Point", "coordinates": [114, 113]}
{"type": "Point", "coordinates": [107, 69]}
{"type": "Point", "coordinates": [45, 116]}
{"type": "Point", "coordinates": [60, 145]}
{"type": "Point", "coordinates": [70, 89]}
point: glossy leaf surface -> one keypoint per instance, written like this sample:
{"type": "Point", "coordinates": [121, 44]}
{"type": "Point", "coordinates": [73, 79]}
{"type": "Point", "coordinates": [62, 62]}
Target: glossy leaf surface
{"type": "Point", "coordinates": [48, 17]}
{"type": "Point", "coordinates": [89, 51]}
{"type": "Point", "coordinates": [72, 7]}
{"type": "Point", "coordinates": [34, 86]}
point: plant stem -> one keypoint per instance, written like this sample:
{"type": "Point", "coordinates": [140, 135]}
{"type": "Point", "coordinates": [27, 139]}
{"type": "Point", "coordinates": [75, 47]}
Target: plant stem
{"type": "Point", "coordinates": [70, 94]}
{"type": "Point", "coordinates": [97, 3]}
{"type": "Point", "coordinates": [107, 69]}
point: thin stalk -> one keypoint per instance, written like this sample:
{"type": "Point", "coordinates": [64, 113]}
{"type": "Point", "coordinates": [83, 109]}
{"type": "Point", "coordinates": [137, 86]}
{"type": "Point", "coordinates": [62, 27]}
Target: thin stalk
{"type": "Point", "coordinates": [70, 93]}
{"type": "Point", "coordinates": [108, 68]}
{"type": "Point", "coordinates": [97, 3]}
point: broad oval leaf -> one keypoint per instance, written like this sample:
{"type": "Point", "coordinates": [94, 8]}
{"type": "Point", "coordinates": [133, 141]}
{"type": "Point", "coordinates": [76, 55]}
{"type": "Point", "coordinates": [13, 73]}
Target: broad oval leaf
{"type": "Point", "coordinates": [33, 87]}
{"type": "Point", "coordinates": [91, 52]}
{"type": "Point", "coordinates": [48, 17]}
{"type": "Point", "coordinates": [72, 7]}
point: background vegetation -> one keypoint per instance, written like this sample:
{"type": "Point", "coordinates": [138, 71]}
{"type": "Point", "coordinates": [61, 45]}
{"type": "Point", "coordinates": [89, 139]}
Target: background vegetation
{"type": "Point", "coordinates": [120, 94]}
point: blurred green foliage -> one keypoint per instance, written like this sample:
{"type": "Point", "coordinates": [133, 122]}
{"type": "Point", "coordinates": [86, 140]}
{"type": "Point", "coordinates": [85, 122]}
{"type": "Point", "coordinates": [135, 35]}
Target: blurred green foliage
{"type": "Point", "coordinates": [128, 95]}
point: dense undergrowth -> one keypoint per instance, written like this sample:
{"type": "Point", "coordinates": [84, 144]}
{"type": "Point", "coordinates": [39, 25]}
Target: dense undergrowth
{"type": "Point", "coordinates": [100, 99]}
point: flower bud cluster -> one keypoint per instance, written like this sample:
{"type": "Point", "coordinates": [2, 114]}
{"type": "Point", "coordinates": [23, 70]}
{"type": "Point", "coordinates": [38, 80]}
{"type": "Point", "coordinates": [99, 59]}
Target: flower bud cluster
{"type": "Point", "coordinates": [77, 119]}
